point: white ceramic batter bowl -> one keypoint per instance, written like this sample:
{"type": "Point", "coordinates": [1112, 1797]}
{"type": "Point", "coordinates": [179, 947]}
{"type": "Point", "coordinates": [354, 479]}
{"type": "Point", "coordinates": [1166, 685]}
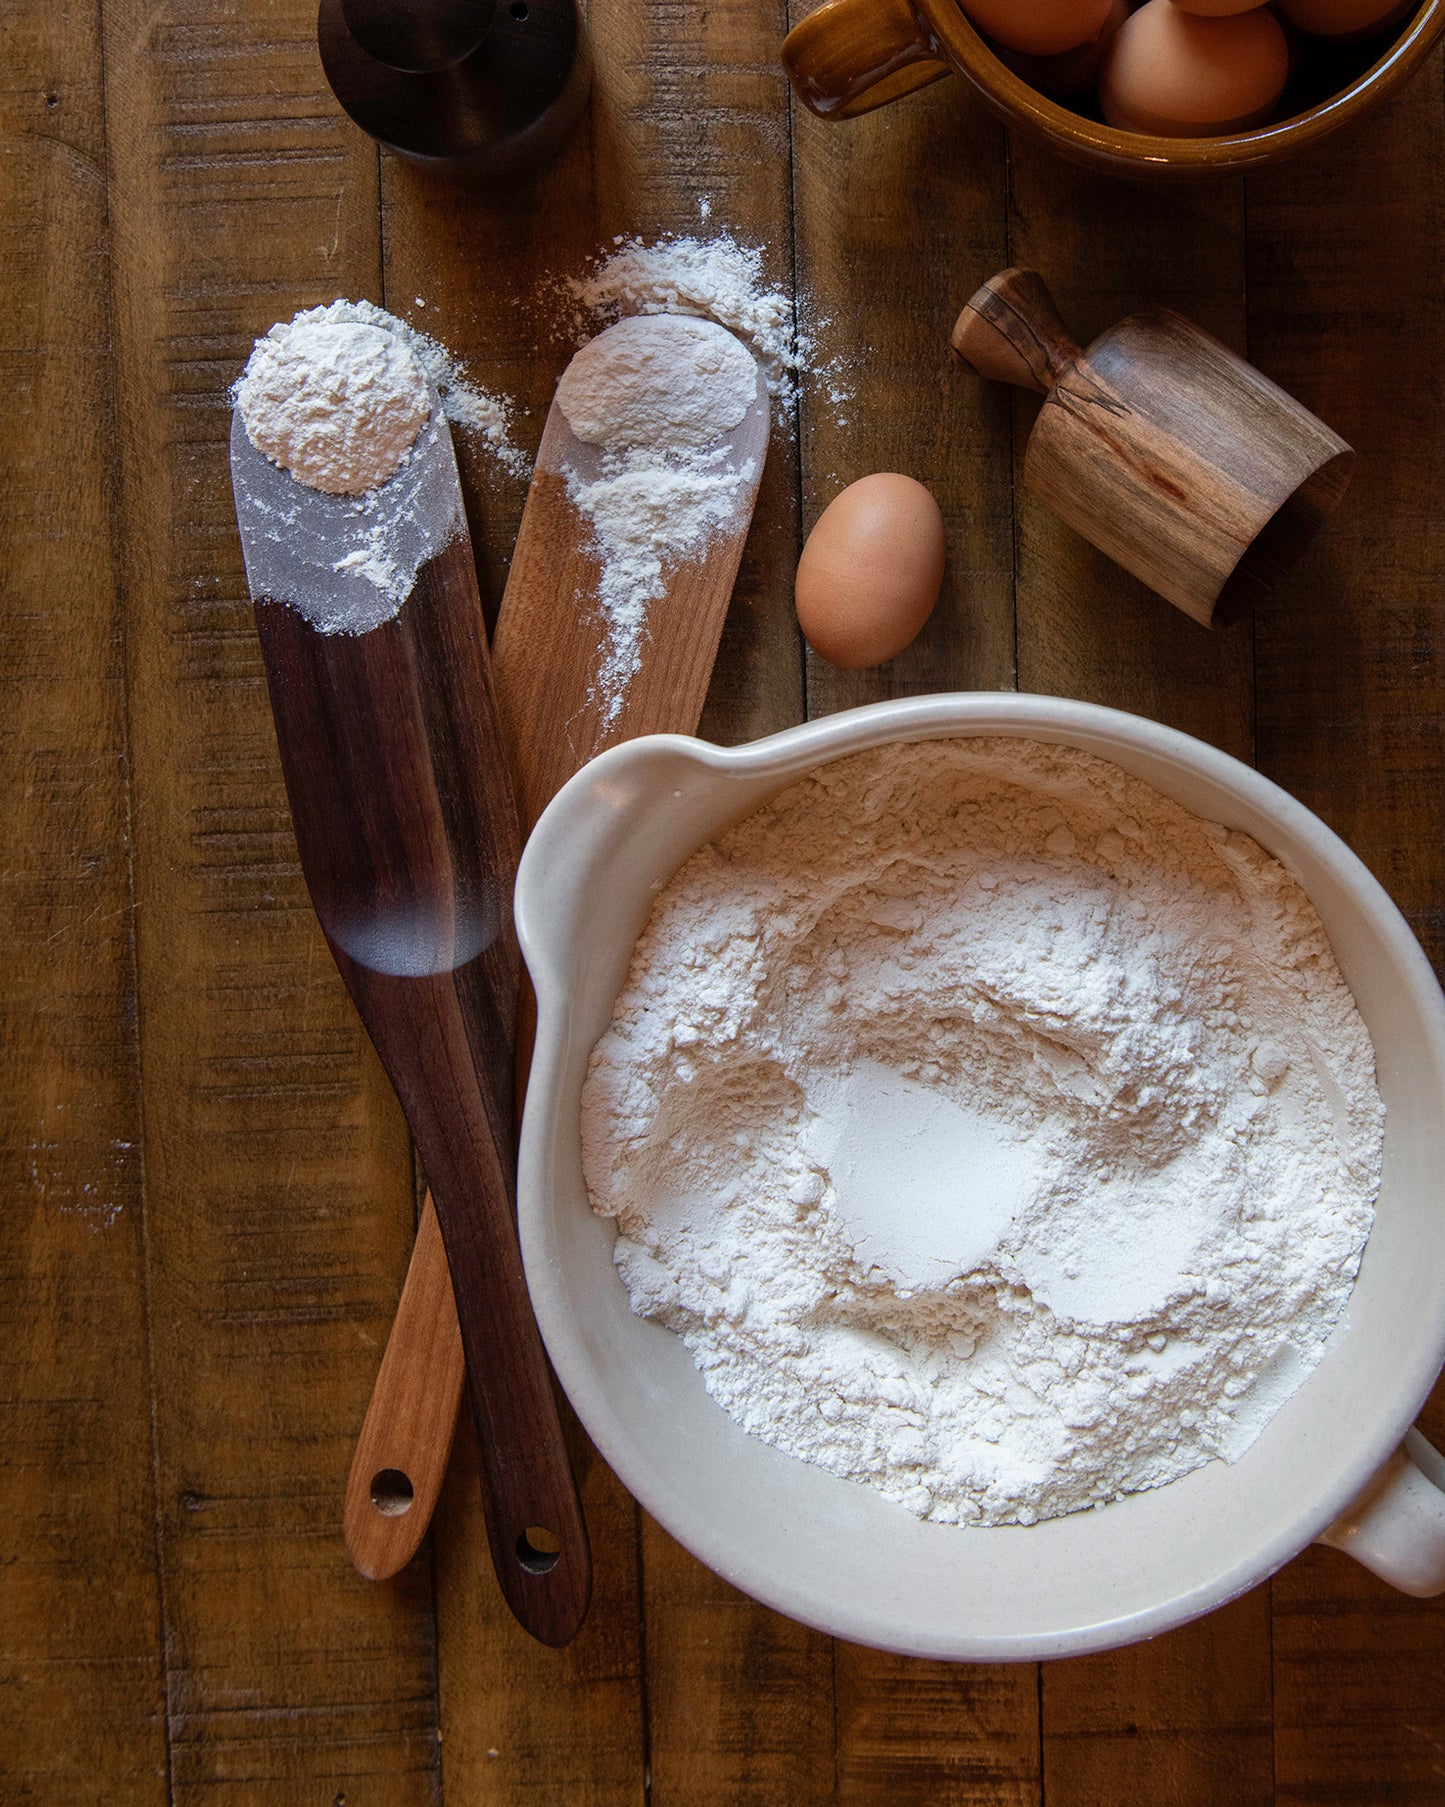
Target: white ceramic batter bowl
{"type": "Point", "coordinates": [1338, 1463]}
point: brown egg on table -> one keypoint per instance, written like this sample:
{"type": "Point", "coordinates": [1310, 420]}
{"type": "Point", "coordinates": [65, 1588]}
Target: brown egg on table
{"type": "Point", "coordinates": [1071, 71]}
{"type": "Point", "coordinates": [871, 571]}
{"type": "Point", "coordinates": [1039, 27]}
{"type": "Point", "coordinates": [1180, 76]}
{"type": "Point", "coordinates": [1345, 18]}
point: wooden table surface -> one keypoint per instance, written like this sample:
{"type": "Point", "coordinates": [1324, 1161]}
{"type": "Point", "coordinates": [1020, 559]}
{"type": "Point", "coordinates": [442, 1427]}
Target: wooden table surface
{"type": "Point", "coordinates": [209, 1189]}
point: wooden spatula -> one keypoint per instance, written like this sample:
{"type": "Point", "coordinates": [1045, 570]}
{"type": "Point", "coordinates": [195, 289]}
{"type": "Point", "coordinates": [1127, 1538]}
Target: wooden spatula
{"type": "Point", "coordinates": [545, 665]}
{"type": "Point", "coordinates": [402, 799]}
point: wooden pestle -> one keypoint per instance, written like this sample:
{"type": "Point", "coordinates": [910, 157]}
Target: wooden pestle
{"type": "Point", "coordinates": [1161, 447]}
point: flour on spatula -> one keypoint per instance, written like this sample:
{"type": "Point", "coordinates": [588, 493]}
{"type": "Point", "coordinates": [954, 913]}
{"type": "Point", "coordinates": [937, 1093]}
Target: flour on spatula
{"type": "Point", "coordinates": [994, 1131]}
{"type": "Point", "coordinates": [656, 395]}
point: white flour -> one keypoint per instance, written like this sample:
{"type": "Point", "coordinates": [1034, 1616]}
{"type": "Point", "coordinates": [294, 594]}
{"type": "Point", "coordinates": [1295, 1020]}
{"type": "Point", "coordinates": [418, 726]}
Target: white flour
{"type": "Point", "coordinates": [656, 396]}
{"type": "Point", "coordinates": [338, 403]}
{"type": "Point", "coordinates": [992, 1130]}
{"type": "Point", "coordinates": [716, 279]}
{"type": "Point", "coordinates": [342, 398]}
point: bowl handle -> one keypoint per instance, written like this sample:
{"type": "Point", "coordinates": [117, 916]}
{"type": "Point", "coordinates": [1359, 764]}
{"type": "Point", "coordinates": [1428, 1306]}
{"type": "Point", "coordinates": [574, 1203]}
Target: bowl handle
{"type": "Point", "coordinates": [853, 55]}
{"type": "Point", "coordinates": [1397, 1526]}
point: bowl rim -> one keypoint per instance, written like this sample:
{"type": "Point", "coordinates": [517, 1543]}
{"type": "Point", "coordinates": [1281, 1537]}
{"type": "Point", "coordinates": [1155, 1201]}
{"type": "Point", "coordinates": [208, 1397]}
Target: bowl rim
{"type": "Point", "coordinates": [961, 46]}
{"type": "Point", "coordinates": [787, 755]}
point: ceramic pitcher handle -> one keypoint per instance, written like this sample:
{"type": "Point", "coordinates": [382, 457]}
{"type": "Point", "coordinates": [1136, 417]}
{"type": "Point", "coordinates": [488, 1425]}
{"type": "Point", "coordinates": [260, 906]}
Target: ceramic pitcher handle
{"type": "Point", "coordinates": [1397, 1526]}
{"type": "Point", "coordinates": [853, 55]}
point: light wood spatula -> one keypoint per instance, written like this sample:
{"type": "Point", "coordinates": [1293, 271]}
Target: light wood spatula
{"type": "Point", "coordinates": [546, 660]}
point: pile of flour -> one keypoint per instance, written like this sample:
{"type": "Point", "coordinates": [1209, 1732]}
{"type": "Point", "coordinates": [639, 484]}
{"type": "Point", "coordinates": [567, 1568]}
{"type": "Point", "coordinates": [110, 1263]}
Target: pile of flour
{"type": "Point", "coordinates": [656, 395]}
{"type": "Point", "coordinates": [715, 279]}
{"type": "Point", "coordinates": [341, 398]}
{"type": "Point", "coordinates": [992, 1130]}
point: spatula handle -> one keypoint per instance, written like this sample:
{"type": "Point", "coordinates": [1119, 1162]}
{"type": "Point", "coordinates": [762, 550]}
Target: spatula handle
{"type": "Point", "coordinates": [425, 1034]}
{"type": "Point", "coordinates": [401, 1455]}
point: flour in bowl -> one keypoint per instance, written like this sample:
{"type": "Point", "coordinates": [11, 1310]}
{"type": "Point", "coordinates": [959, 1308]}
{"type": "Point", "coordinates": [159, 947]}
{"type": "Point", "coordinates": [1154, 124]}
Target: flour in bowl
{"type": "Point", "coordinates": [993, 1131]}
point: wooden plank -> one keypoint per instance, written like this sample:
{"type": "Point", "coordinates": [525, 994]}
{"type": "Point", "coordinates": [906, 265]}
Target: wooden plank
{"type": "Point", "coordinates": [1346, 266]}
{"type": "Point", "coordinates": [922, 225]}
{"type": "Point", "coordinates": [278, 1177]}
{"type": "Point", "coordinates": [1185, 1721]}
{"type": "Point", "coordinates": [918, 1734]}
{"type": "Point", "coordinates": [740, 1699]}
{"type": "Point", "coordinates": [1200, 1697]}
{"type": "Point", "coordinates": [520, 1723]}
{"type": "Point", "coordinates": [692, 136]}
{"type": "Point", "coordinates": [81, 1691]}
{"type": "Point", "coordinates": [900, 216]}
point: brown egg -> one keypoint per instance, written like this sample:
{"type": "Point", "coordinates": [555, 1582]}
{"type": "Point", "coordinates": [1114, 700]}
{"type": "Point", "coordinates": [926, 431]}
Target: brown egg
{"type": "Point", "coordinates": [1039, 27]}
{"type": "Point", "coordinates": [1217, 9]}
{"type": "Point", "coordinates": [1171, 73]}
{"type": "Point", "coordinates": [1344, 18]}
{"type": "Point", "coordinates": [871, 571]}
{"type": "Point", "coordinates": [1071, 71]}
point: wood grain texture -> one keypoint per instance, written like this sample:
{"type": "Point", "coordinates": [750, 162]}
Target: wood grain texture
{"type": "Point", "coordinates": [1185, 1721]}
{"type": "Point", "coordinates": [81, 1686]}
{"type": "Point", "coordinates": [891, 280]}
{"type": "Point", "coordinates": [739, 1699]}
{"type": "Point", "coordinates": [1088, 630]}
{"type": "Point", "coordinates": [921, 1734]}
{"type": "Point", "coordinates": [691, 103]}
{"type": "Point", "coordinates": [1351, 692]}
{"type": "Point", "coordinates": [278, 1179]}
{"type": "Point", "coordinates": [566, 1723]}
{"type": "Point", "coordinates": [1085, 629]}
{"type": "Point", "coordinates": [556, 711]}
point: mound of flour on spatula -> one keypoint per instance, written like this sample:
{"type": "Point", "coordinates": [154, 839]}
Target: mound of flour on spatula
{"type": "Point", "coordinates": [655, 394]}
{"type": "Point", "coordinates": [993, 1131]}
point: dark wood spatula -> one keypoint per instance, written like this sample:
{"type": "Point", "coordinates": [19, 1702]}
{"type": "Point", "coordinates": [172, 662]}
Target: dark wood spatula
{"type": "Point", "coordinates": [402, 799]}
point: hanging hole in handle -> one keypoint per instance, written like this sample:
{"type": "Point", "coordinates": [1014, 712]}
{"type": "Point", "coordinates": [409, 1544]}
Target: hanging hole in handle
{"type": "Point", "coordinates": [518, 10]}
{"type": "Point", "coordinates": [538, 1550]}
{"type": "Point", "coordinates": [391, 1492]}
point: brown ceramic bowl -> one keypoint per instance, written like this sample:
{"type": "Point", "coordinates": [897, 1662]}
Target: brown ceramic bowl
{"type": "Point", "coordinates": [851, 56]}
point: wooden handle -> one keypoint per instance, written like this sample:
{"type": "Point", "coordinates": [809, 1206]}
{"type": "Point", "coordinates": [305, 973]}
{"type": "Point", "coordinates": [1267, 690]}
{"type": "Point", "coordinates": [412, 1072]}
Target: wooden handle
{"type": "Point", "coordinates": [401, 1455]}
{"type": "Point", "coordinates": [1010, 332]}
{"type": "Point", "coordinates": [851, 56]}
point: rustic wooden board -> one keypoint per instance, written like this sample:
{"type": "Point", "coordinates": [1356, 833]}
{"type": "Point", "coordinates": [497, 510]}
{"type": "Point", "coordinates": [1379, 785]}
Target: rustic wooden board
{"type": "Point", "coordinates": [278, 1178]}
{"type": "Point", "coordinates": [560, 1721]}
{"type": "Point", "coordinates": [916, 1734]}
{"type": "Point", "coordinates": [186, 1605]}
{"type": "Point", "coordinates": [81, 1690]}
{"type": "Point", "coordinates": [1199, 1700]}
{"type": "Point", "coordinates": [1346, 269]}
{"type": "Point", "coordinates": [739, 1699]}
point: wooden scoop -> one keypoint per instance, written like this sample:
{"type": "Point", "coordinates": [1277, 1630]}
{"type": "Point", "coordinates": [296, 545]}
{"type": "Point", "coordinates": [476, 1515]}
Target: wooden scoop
{"type": "Point", "coordinates": [1161, 447]}
{"type": "Point", "coordinates": [401, 796]}
{"type": "Point", "coordinates": [545, 665]}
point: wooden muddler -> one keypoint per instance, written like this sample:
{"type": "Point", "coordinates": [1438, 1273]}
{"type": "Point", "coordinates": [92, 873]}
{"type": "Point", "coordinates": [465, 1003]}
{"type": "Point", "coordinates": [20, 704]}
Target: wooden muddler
{"type": "Point", "coordinates": [1161, 447]}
